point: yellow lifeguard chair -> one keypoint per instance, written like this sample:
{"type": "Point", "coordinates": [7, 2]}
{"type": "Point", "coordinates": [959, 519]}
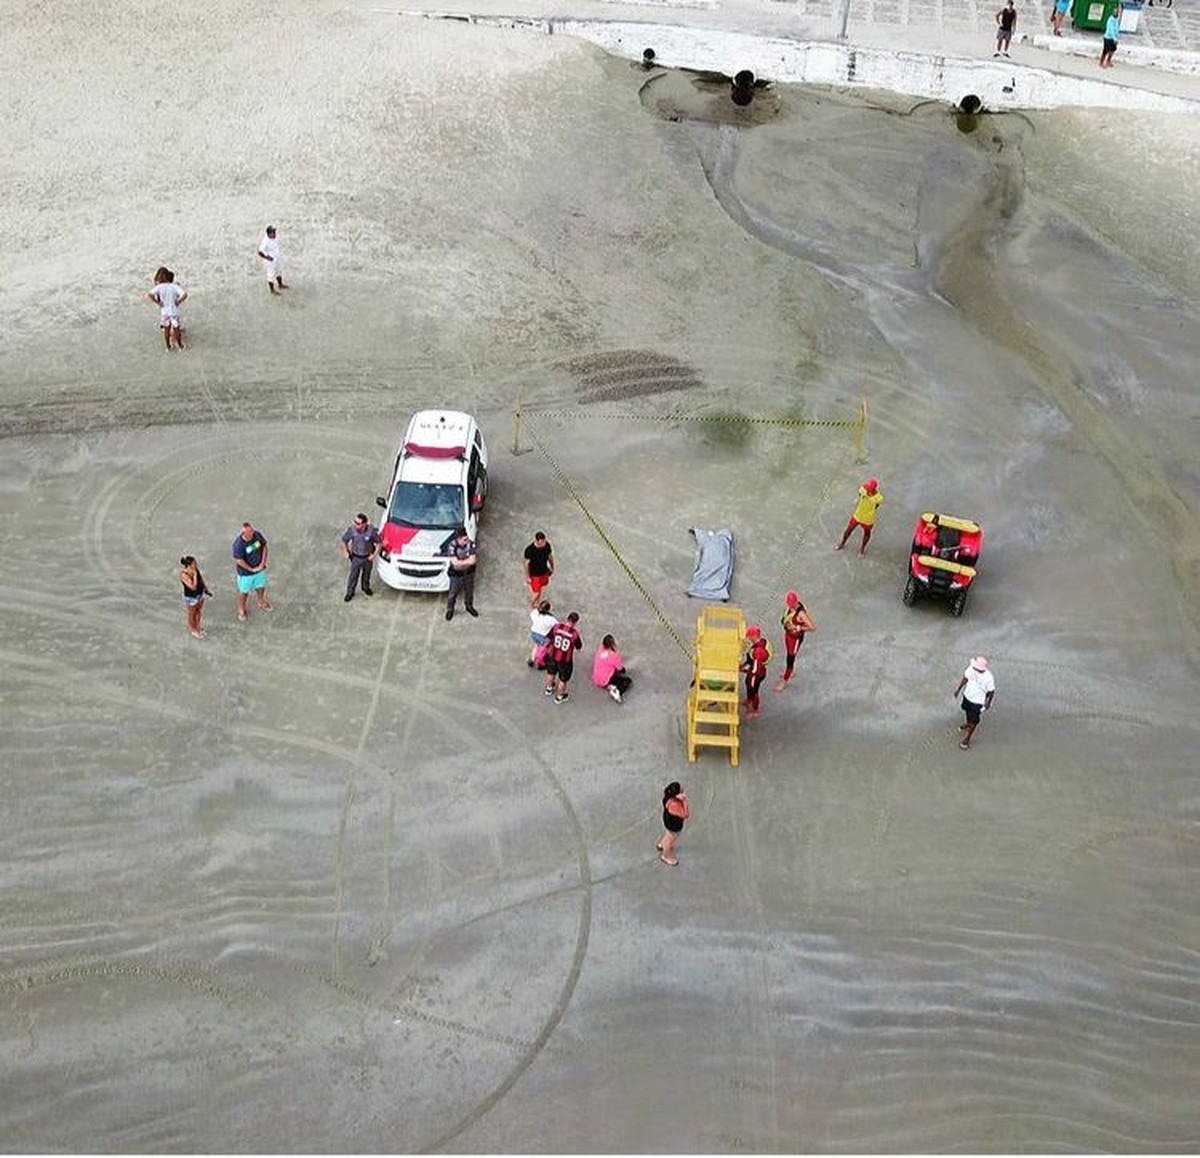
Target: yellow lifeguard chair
{"type": "Point", "coordinates": [713, 698]}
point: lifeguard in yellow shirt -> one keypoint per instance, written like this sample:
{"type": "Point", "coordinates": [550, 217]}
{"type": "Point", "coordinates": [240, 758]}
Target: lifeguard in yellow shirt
{"type": "Point", "coordinates": [869, 499]}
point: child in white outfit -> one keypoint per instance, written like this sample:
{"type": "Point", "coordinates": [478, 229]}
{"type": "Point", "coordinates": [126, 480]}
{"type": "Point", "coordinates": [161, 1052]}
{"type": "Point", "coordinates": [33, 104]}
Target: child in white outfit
{"type": "Point", "coordinates": [168, 297]}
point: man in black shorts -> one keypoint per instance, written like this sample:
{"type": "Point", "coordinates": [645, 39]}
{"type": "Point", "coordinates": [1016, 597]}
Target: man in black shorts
{"type": "Point", "coordinates": [563, 642]}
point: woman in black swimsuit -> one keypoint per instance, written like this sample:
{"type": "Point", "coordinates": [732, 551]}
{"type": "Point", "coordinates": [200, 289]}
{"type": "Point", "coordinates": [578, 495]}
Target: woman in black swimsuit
{"type": "Point", "coordinates": [195, 590]}
{"type": "Point", "coordinates": [675, 812]}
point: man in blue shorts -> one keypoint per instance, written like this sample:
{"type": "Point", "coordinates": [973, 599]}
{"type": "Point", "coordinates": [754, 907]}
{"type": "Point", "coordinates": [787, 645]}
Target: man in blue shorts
{"type": "Point", "coordinates": [250, 569]}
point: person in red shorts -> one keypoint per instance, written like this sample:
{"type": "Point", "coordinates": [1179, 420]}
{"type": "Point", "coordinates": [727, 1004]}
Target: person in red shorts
{"type": "Point", "coordinates": [755, 666]}
{"type": "Point", "coordinates": [539, 566]}
{"type": "Point", "coordinates": [564, 641]}
{"type": "Point", "coordinates": [865, 511]}
{"type": "Point", "coordinates": [796, 623]}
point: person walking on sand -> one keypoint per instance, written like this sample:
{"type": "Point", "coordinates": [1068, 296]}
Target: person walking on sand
{"type": "Point", "coordinates": [797, 623]}
{"type": "Point", "coordinates": [977, 688]}
{"type": "Point", "coordinates": [360, 543]}
{"type": "Point", "coordinates": [268, 251]}
{"type": "Point", "coordinates": [870, 498]}
{"type": "Point", "coordinates": [608, 669]}
{"type": "Point", "coordinates": [1112, 33]}
{"type": "Point", "coordinates": [195, 591]}
{"type": "Point", "coordinates": [675, 812]}
{"type": "Point", "coordinates": [168, 297]}
{"type": "Point", "coordinates": [539, 565]}
{"type": "Point", "coordinates": [1006, 25]}
{"type": "Point", "coordinates": [250, 569]}
{"type": "Point", "coordinates": [541, 623]}
{"type": "Point", "coordinates": [755, 666]}
{"type": "Point", "coordinates": [564, 641]}
{"type": "Point", "coordinates": [463, 558]}
{"type": "Point", "coordinates": [1061, 8]}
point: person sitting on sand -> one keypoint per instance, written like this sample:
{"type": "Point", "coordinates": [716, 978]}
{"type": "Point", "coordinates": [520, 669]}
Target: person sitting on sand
{"type": "Point", "coordinates": [608, 669]}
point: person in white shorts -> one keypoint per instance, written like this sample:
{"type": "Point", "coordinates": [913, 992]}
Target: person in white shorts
{"type": "Point", "coordinates": [268, 250]}
{"type": "Point", "coordinates": [168, 297]}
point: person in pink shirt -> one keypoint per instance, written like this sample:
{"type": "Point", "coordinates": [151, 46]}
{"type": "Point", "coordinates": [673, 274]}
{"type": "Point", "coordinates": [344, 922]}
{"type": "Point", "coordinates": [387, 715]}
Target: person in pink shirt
{"type": "Point", "coordinates": [608, 669]}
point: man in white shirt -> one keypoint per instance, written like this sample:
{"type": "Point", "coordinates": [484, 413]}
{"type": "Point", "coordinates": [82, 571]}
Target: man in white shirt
{"type": "Point", "coordinates": [978, 688]}
{"type": "Point", "coordinates": [268, 250]}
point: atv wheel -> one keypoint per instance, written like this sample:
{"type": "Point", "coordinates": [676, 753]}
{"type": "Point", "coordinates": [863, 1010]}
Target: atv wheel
{"type": "Point", "coordinates": [910, 591]}
{"type": "Point", "coordinates": [959, 604]}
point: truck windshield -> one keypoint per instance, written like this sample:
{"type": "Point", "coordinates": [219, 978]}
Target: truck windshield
{"type": "Point", "coordinates": [434, 505]}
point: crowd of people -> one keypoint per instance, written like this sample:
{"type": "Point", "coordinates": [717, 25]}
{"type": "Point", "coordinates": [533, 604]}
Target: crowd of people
{"type": "Point", "coordinates": [555, 641]}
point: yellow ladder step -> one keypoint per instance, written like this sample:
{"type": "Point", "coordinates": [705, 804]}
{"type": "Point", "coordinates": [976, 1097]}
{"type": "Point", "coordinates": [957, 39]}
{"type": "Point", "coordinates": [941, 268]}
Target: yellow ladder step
{"type": "Point", "coordinates": [702, 717]}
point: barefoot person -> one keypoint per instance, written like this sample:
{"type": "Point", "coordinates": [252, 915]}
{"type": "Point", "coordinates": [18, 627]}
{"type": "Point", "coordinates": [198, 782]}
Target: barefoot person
{"type": "Point", "coordinates": [754, 664]}
{"type": "Point", "coordinates": [541, 623]}
{"type": "Point", "coordinates": [195, 591]}
{"type": "Point", "coordinates": [869, 501]}
{"type": "Point", "coordinates": [675, 812]}
{"type": "Point", "coordinates": [168, 297]}
{"type": "Point", "coordinates": [1006, 25]}
{"type": "Point", "coordinates": [268, 251]}
{"type": "Point", "coordinates": [250, 569]}
{"type": "Point", "coordinates": [1112, 33]}
{"type": "Point", "coordinates": [797, 623]}
{"type": "Point", "coordinates": [977, 688]}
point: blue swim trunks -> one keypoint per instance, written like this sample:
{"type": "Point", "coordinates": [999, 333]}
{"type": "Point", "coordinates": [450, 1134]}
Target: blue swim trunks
{"type": "Point", "coordinates": [254, 582]}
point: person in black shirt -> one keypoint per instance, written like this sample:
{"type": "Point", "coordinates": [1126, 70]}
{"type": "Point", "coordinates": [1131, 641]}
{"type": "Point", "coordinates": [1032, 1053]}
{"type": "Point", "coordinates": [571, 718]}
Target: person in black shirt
{"type": "Point", "coordinates": [1006, 25]}
{"type": "Point", "coordinates": [539, 566]}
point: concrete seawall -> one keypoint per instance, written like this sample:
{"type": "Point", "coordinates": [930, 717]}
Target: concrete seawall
{"type": "Point", "coordinates": [998, 84]}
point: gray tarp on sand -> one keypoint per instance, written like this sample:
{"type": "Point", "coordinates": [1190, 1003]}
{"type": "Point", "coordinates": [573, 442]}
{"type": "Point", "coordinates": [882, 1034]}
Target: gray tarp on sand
{"type": "Point", "coordinates": [713, 571]}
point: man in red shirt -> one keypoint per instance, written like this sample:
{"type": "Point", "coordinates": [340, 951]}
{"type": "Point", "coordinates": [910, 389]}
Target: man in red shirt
{"type": "Point", "coordinates": [564, 641]}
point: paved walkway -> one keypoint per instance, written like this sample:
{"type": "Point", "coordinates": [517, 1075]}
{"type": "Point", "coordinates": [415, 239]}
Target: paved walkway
{"type": "Point", "coordinates": [1163, 56]}
{"type": "Point", "coordinates": [1177, 27]}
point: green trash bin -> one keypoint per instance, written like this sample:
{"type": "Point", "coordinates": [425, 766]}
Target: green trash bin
{"type": "Point", "coordinates": [1092, 14]}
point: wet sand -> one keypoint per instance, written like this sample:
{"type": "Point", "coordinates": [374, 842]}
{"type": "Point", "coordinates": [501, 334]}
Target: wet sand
{"type": "Point", "coordinates": [342, 878]}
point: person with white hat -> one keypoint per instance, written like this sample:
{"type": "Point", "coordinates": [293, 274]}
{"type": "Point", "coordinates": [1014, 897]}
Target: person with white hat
{"type": "Point", "coordinates": [977, 688]}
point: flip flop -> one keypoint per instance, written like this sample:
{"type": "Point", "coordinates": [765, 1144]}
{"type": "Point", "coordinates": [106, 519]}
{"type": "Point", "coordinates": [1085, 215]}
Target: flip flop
{"type": "Point", "coordinates": [964, 745]}
{"type": "Point", "coordinates": [241, 617]}
{"type": "Point", "coordinates": [668, 860]}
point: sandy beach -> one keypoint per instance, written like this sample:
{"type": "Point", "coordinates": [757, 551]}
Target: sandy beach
{"type": "Point", "coordinates": [341, 878]}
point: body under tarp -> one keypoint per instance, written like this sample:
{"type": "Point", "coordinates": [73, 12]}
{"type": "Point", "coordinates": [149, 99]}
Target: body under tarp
{"type": "Point", "coordinates": [713, 570]}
